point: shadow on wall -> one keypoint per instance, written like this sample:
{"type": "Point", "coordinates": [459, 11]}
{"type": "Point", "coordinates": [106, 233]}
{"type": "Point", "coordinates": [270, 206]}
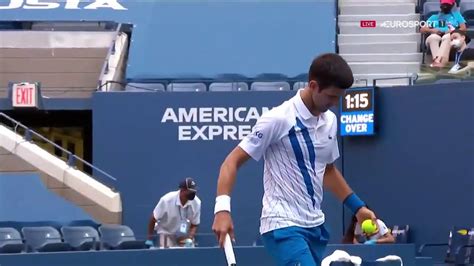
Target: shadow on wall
{"type": "Point", "coordinates": [23, 197]}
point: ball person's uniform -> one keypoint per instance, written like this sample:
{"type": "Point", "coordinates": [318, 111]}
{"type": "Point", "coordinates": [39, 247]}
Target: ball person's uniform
{"type": "Point", "coordinates": [296, 147]}
{"type": "Point", "coordinates": [170, 214]}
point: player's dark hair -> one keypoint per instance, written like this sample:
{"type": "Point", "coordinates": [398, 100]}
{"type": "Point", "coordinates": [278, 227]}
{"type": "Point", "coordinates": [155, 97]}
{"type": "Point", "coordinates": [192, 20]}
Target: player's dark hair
{"type": "Point", "coordinates": [331, 70]}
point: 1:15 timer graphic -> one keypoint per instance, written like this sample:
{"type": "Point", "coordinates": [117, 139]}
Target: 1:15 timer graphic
{"type": "Point", "coordinates": [357, 100]}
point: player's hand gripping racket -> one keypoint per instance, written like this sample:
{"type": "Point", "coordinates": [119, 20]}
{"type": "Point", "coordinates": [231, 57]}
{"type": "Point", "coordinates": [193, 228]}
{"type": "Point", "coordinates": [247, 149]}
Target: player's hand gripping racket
{"type": "Point", "coordinates": [229, 251]}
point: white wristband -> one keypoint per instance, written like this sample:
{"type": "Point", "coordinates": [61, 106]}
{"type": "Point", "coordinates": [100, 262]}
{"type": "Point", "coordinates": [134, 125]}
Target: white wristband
{"type": "Point", "coordinates": [222, 204]}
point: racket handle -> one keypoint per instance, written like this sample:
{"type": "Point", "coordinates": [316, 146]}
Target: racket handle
{"type": "Point", "coordinates": [229, 251]}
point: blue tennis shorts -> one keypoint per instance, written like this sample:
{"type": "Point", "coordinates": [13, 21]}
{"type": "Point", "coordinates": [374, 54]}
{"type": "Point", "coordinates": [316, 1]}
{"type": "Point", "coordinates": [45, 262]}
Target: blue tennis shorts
{"type": "Point", "coordinates": [297, 246]}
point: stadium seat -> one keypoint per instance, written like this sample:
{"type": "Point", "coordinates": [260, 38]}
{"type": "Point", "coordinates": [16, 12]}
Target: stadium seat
{"type": "Point", "coordinates": [229, 86]}
{"type": "Point", "coordinates": [422, 2]}
{"type": "Point", "coordinates": [119, 237]}
{"type": "Point", "coordinates": [468, 249]}
{"type": "Point", "coordinates": [186, 87]}
{"type": "Point", "coordinates": [472, 252]}
{"type": "Point", "coordinates": [82, 223]}
{"type": "Point", "coordinates": [80, 237]}
{"type": "Point", "coordinates": [419, 7]}
{"type": "Point", "coordinates": [270, 77]}
{"type": "Point", "coordinates": [401, 234]}
{"type": "Point", "coordinates": [143, 87]}
{"type": "Point", "coordinates": [4, 25]}
{"type": "Point", "coordinates": [300, 85]}
{"type": "Point", "coordinates": [230, 77]}
{"type": "Point", "coordinates": [430, 8]}
{"type": "Point", "coordinates": [44, 239]}
{"type": "Point", "coordinates": [467, 11]}
{"type": "Point", "coordinates": [10, 240]}
{"type": "Point", "coordinates": [458, 238]}
{"type": "Point", "coordinates": [270, 86]}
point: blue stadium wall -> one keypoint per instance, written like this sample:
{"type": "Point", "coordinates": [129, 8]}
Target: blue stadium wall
{"type": "Point", "coordinates": [191, 39]}
{"type": "Point", "coordinates": [136, 140]}
{"type": "Point", "coordinates": [417, 170]}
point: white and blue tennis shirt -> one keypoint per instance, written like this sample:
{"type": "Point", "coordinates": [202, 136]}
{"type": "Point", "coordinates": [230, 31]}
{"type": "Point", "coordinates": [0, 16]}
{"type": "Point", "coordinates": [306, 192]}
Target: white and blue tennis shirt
{"type": "Point", "coordinates": [296, 147]}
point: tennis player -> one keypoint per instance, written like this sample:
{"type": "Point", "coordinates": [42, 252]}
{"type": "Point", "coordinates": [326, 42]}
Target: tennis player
{"type": "Point", "coordinates": [298, 141]}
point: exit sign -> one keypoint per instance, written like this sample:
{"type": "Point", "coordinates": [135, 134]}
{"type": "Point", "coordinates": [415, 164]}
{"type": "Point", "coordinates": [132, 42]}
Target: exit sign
{"type": "Point", "coordinates": [25, 95]}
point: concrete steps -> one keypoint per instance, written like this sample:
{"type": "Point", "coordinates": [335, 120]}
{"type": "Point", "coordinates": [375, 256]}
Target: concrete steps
{"type": "Point", "coordinates": [53, 80]}
{"type": "Point", "coordinates": [52, 65]}
{"type": "Point", "coordinates": [384, 67]}
{"type": "Point", "coordinates": [68, 62]}
{"type": "Point", "coordinates": [379, 8]}
{"type": "Point", "coordinates": [378, 38]}
{"type": "Point", "coordinates": [383, 57]}
{"type": "Point", "coordinates": [378, 48]}
{"type": "Point", "coordinates": [387, 47]}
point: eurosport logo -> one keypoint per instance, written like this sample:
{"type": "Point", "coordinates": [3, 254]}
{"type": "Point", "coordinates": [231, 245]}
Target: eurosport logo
{"type": "Point", "coordinates": [399, 24]}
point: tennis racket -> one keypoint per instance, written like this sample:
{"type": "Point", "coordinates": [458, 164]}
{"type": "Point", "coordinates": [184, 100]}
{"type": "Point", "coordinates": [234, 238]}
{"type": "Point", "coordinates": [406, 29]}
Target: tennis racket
{"type": "Point", "coordinates": [229, 251]}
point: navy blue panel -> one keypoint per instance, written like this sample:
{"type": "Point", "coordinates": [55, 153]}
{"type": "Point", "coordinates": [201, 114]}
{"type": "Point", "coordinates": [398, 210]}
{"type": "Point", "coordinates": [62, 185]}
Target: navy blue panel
{"type": "Point", "coordinates": [245, 256]}
{"type": "Point", "coordinates": [418, 169]}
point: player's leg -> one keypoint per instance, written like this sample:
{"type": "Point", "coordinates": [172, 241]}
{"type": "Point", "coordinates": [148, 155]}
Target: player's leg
{"type": "Point", "coordinates": [289, 247]}
{"type": "Point", "coordinates": [318, 239]}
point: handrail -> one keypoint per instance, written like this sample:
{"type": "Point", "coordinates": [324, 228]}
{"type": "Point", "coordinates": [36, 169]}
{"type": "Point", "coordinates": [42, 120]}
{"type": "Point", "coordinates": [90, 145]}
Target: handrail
{"type": "Point", "coordinates": [337, 30]}
{"type": "Point", "coordinates": [366, 81]}
{"type": "Point", "coordinates": [70, 156]}
{"type": "Point", "coordinates": [105, 66]}
{"type": "Point", "coordinates": [410, 78]}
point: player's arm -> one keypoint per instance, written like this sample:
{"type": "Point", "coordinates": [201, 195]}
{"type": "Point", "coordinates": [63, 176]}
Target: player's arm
{"type": "Point", "coordinates": [335, 182]}
{"type": "Point", "coordinates": [228, 172]}
{"type": "Point", "coordinates": [266, 130]}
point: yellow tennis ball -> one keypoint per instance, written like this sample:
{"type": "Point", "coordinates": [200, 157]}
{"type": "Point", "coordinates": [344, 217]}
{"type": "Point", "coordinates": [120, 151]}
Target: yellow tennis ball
{"type": "Point", "coordinates": [369, 227]}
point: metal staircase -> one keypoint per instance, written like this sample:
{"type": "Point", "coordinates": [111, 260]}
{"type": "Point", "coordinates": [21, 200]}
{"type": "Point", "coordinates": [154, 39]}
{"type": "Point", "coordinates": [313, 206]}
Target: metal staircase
{"type": "Point", "coordinates": [96, 195]}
